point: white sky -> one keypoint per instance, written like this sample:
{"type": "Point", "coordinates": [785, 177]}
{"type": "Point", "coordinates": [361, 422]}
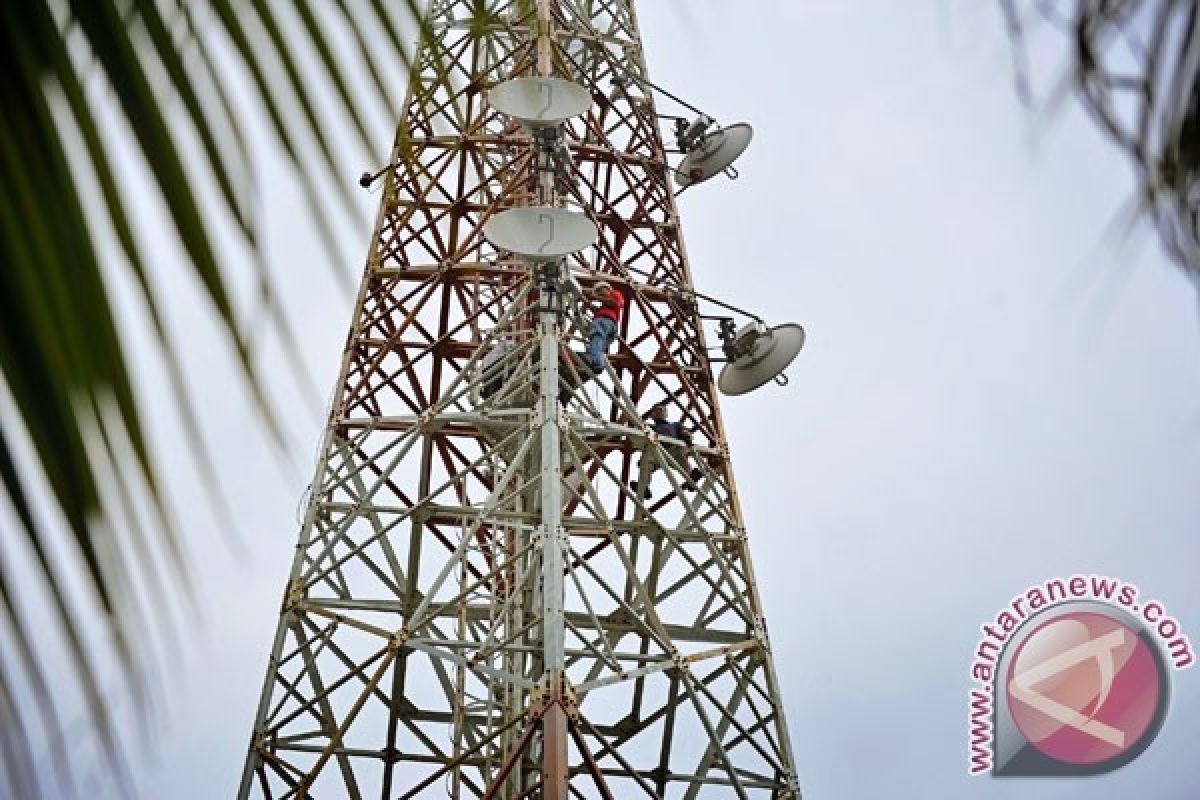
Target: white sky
{"type": "Point", "coordinates": [992, 392]}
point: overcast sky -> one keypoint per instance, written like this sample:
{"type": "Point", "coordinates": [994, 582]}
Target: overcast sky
{"type": "Point", "coordinates": [992, 394]}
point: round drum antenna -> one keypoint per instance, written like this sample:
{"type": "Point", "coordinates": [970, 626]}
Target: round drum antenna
{"type": "Point", "coordinates": [762, 354]}
{"type": "Point", "coordinates": [540, 102]}
{"type": "Point", "coordinates": [540, 233]}
{"type": "Point", "coordinates": [715, 153]}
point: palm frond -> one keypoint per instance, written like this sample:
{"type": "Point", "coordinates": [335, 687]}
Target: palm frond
{"type": "Point", "coordinates": [1135, 67]}
{"type": "Point", "coordinates": [72, 427]}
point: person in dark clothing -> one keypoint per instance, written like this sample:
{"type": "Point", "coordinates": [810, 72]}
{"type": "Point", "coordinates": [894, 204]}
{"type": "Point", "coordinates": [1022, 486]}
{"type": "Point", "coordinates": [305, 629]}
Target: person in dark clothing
{"type": "Point", "coordinates": [494, 369]}
{"type": "Point", "coordinates": [661, 425]}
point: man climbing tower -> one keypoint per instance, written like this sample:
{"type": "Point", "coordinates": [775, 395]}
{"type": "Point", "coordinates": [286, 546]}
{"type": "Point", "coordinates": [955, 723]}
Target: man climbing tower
{"type": "Point", "coordinates": [606, 314]}
{"type": "Point", "coordinates": [678, 453]}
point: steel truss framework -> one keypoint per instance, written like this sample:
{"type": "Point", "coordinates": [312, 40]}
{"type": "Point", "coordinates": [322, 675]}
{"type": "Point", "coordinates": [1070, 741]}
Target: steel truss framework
{"type": "Point", "coordinates": [480, 604]}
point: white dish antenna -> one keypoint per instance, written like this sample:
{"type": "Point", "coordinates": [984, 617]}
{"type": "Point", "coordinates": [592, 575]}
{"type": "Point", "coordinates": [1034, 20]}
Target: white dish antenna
{"type": "Point", "coordinates": [540, 233]}
{"type": "Point", "coordinates": [540, 102]}
{"type": "Point", "coordinates": [765, 354]}
{"type": "Point", "coordinates": [714, 154]}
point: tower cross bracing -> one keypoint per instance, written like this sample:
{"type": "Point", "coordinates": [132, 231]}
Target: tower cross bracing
{"type": "Point", "coordinates": [483, 602]}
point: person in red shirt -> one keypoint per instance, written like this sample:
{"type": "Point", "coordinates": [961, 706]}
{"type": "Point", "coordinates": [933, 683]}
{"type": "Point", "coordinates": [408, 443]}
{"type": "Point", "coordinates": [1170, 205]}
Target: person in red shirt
{"type": "Point", "coordinates": [606, 313]}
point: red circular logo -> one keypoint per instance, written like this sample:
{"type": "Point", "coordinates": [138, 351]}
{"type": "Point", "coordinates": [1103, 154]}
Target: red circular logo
{"type": "Point", "coordinates": [1084, 688]}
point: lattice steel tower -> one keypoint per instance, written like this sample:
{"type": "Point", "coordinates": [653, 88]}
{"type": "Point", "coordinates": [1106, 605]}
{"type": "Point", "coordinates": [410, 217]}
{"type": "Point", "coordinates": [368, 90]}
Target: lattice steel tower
{"type": "Point", "coordinates": [483, 602]}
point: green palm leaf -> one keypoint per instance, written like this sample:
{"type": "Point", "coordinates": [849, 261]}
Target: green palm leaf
{"type": "Point", "coordinates": [64, 376]}
{"type": "Point", "coordinates": [1135, 68]}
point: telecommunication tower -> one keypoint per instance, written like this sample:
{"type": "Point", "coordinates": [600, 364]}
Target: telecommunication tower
{"type": "Point", "coordinates": [509, 582]}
